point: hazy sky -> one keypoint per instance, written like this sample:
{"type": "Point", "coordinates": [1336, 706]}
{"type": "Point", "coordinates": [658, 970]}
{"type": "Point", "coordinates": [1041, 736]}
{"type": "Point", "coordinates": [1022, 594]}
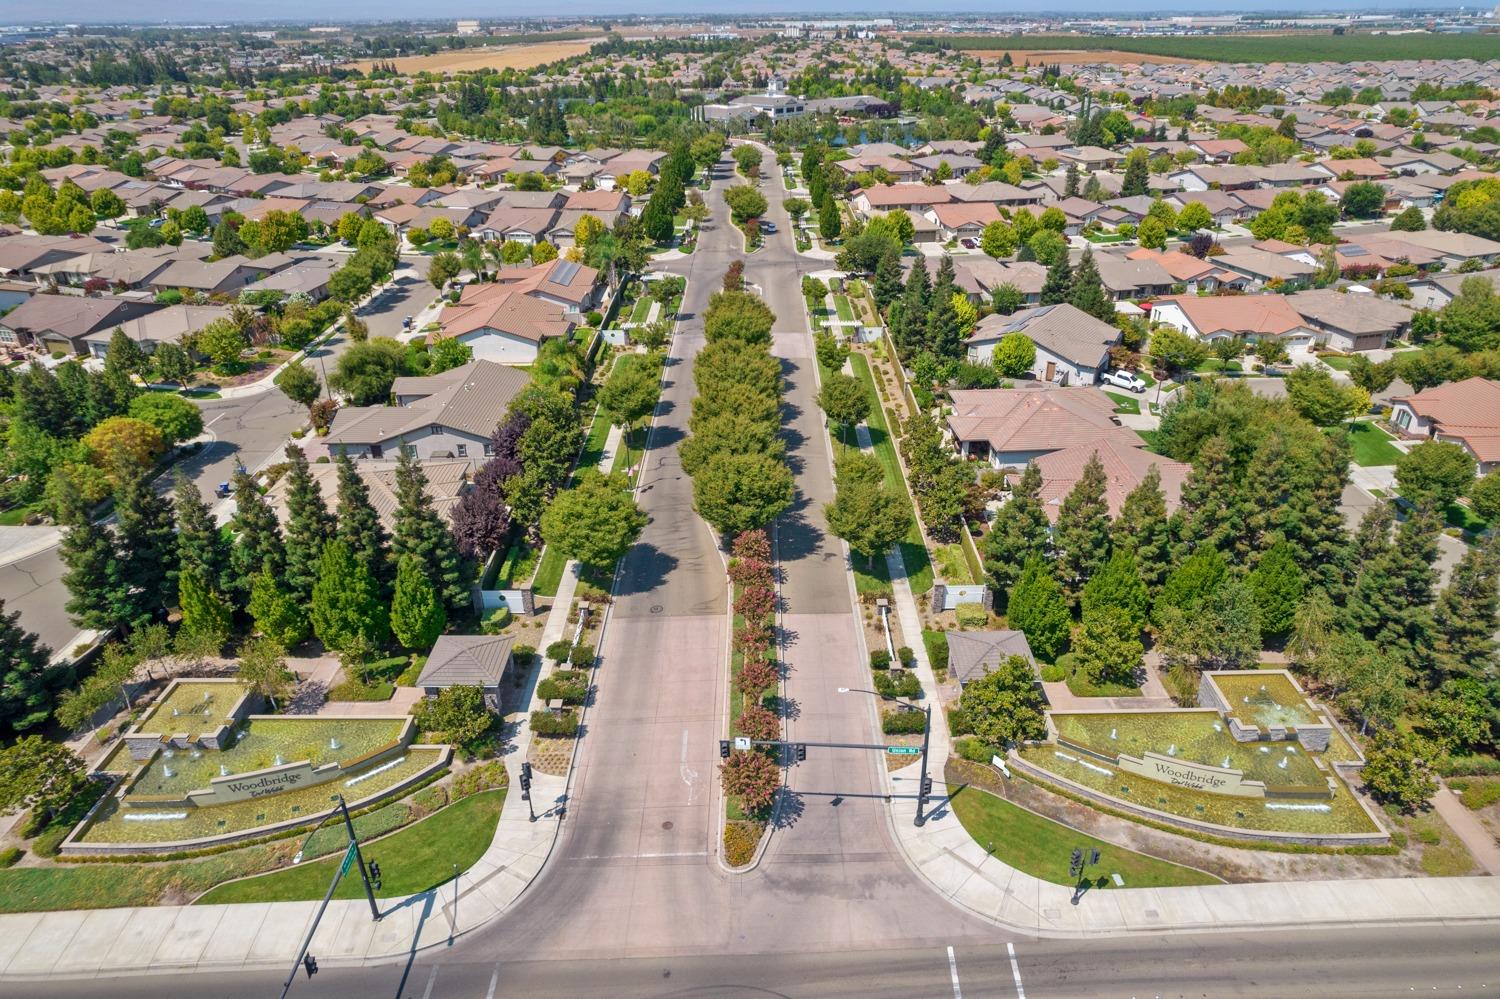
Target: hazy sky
{"type": "Point", "coordinates": [196, 11]}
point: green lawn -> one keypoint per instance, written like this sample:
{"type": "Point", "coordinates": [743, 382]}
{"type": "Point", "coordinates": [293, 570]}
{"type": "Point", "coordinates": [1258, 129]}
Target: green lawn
{"type": "Point", "coordinates": [641, 311]}
{"type": "Point", "coordinates": [1125, 403]}
{"type": "Point", "coordinates": [1463, 517]}
{"type": "Point", "coordinates": [913, 551]}
{"type": "Point", "coordinates": [515, 568]}
{"type": "Point", "coordinates": [845, 310]}
{"type": "Point", "coordinates": [1338, 362]}
{"type": "Point", "coordinates": [549, 572]}
{"type": "Point", "coordinates": [16, 515]}
{"type": "Point", "coordinates": [1213, 365]}
{"type": "Point", "coordinates": [1041, 847]}
{"type": "Point", "coordinates": [1371, 445]}
{"type": "Point", "coordinates": [1083, 687]}
{"type": "Point", "coordinates": [412, 860]}
{"type": "Point", "coordinates": [1149, 436]}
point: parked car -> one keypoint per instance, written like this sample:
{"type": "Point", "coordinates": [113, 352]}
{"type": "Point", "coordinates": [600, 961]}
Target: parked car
{"type": "Point", "coordinates": [969, 243]}
{"type": "Point", "coordinates": [768, 227]}
{"type": "Point", "coordinates": [1125, 380]}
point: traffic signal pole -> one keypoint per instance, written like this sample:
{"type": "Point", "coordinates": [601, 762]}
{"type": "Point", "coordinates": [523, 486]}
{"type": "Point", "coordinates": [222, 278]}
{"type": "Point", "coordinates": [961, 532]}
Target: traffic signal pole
{"type": "Point", "coordinates": [799, 749]}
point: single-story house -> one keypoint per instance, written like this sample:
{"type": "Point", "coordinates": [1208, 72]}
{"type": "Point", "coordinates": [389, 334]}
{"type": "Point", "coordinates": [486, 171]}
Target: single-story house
{"type": "Point", "coordinates": [1466, 413]}
{"type": "Point", "coordinates": [503, 323]}
{"type": "Point", "coordinates": [1126, 464]}
{"type": "Point", "coordinates": [1246, 317]}
{"type": "Point", "coordinates": [61, 322]}
{"type": "Point", "coordinates": [1010, 427]}
{"type": "Point", "coordinates": [1072, 347]}
{"type": "Point", "coordinates": [449, 415]}
{"type": "Point", "coordinates": [1350, 323]}
{"type": "Point", "coordinates": [166, 325]}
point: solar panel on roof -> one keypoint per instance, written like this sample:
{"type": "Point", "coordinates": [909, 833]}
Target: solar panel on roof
{"type": "Point", "coordinates": [565, 272]}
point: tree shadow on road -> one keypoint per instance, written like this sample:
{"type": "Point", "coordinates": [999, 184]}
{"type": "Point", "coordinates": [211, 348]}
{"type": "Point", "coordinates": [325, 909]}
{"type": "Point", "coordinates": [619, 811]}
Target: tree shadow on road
{"type": "Point", "coordinates": [789, 808]}
{"type": "Point", "coordinates": [646, 567]}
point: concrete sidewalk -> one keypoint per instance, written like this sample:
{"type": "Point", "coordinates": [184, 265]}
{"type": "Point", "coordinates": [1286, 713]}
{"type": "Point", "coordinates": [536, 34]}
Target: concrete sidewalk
{"type": "Point", "coordinates": [947, 857]}
{"type": "Point", "coordinates": [91, 943]}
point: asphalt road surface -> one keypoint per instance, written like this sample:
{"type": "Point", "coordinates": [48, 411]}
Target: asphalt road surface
{"type": "Point", "coordinates": [1332, 964]}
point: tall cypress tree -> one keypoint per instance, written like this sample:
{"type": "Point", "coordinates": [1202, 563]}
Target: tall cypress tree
{"type": "Point", "coordinates": [1464, 619]}
{"type": "Point", "coordinates": [257, 541]}
{"type": "Point", "coordinates": [1082, 532]}
{"type": "Point", "coordinates": [421, 532]}
{"type": "Point", "coordinates": [1087, 290]}
{"type": "Point", "coordinates": [918, 293]}
{"type": "Point", "coordinates": [359, 525]}
{"type": "Point", "coordinates": [28, 681]}
{"type": "Point", "coordinates": [888, 279]}
{"type": "Point", "coordinates": [1210, 512]}
{"type": "Point", "coordinates": [1392, 598]}
{"type": "Point", "coordinates": [1135, 182]}
{"type": "Point", "coordinates": [1059, 281]}
{"type": "Point", "coordinates": [99, 599]}
{"type": "Point", "coordinates": [147, 543]}
{"type": "Point", "coordinates": [201, 545]}
{"type": "Point", "coordinates": [309, 525]}
{"type": "Point", "coordinates": [1020, 531]}
{"type": "Point", "coordinates": [1142, 528]}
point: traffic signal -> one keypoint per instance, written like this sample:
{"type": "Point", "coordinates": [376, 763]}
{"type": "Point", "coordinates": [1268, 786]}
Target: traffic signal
{"type": "Point", "coordinates": [375, 873]}
{"type": "Point", "coordinates": [801, 752]}
{"type": "Point", "coordinates": [723, 749]}
{"type": "Point", "coordinates": [526, 776]}
{"type": "Point", "coordinates": [1075, 864]}
{"type": "Point", "coordinates": [311, 964]}
{"type": "Point", "coordinates": [926, 787]}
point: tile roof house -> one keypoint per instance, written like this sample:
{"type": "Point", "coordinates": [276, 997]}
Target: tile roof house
{"type": "Point", "coordinates": [973, 654]}
{"type": "Point", "coordinates": [467, 661]}
{"type": "Point", "coordinates": [1466, 413]}
{"type": "Point", "coordinates": [447, 480]}
{"type": "Point", "coordinates": [166, 325]}
{"type": "Point", "coordinates": [1011, 427]}
{"type": "Point", "coordinates": [1125, 465]}
{"type": "Point", "coordinates": [61, 322]}
{"type": "Point", "coordinates": [1351, 322]}
{"type": "Point", "coordinates": [449, 415]}
{"type": "Point", "coordinates": [1246, 317]}
{"type": "Point", "coordinates": [503, 323]}
{"type": "Point", "coordinates": [1072, 347]}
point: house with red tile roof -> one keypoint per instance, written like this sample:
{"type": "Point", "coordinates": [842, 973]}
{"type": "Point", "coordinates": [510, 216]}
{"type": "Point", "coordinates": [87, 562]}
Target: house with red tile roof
{"type": "Point", "coordinates": [1466, 413]}
{"type": "Point", "coordinates": [1243, 317]}
{"type": "Point", "coordinates": [1010, 427]}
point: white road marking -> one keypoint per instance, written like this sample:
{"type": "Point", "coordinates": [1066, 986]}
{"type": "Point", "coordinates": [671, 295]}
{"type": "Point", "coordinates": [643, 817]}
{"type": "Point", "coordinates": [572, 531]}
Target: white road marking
{"type": "Point", "coordinates": [1015, 970]}
{"type": "Point", "coordinates": [431, 981]}
{"type": "Point", "coordinates": [953, 973]}
{"type": "Point", "coordinates": [216, 419]}
{"type": "Point", "coordinates": [643, 856]}
{"type": "Point", "coordinates": [689, 775]}
{"type": "Point", "coordinates": [494, 980]}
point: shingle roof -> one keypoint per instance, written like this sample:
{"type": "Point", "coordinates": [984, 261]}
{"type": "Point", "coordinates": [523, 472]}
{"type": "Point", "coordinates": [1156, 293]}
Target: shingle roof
{"type": "Point", "coordinates": [466, 660]}
{"type": "Point", "coordinates": [1036, 419]}
{"type": "Point", "coordinates": [972, 654]}
{"type": "Point", "coordinates": [1064, 331]}
{"type": "Point", "coordinates": [1125, 465]}
{"type": "Point", "coordinates": [471, 399]}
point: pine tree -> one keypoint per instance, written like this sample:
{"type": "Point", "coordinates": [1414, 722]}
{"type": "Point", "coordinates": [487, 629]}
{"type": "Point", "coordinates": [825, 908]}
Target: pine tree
{"type": "Point", "coordinates": [1391, 602]}
{"type": "Point", "coordinates": [1082, 532]}
{"type": "Point", "coordinates": [205, 614]}
{"type": "Point", "coordinates": [348, 613]}
{"type": "Point", "coordinates": [1135, 182]}
{"type": "Point", "coordinates": [944, 335]}
{"type": "Point", "coordinates": [888, 280]}
{"type": "Point", "coordinates": [1209, 512]}
{"type": "Point", "coordinates": [28, 680]}
{"type": "Point", "coordinates": [1277, 584]}
{"type": "Point", "coordinates": [417, 615]}
{"type": "Point", "coordinates": [146, 539]}
{"type": "Point", "coordinates": [1118, 585]}
{"type": "Point", "coordinates": [1020, 532]}
{"type": "Point", "coordinates": [276, 613]}
{"type": "Point", "coordinates": [1108, 648]}
{"type": "Point", "coordinates": [99, 598]}
{"type": "Point", "coordinates": [200, 543]}
{"type": "Point", "coordinates": [1059, 282]}
{"type": "Point", "coordinates": [1087, 292]}
{"type": "Point", "coordinates": [359, 524]}
{"type": "Point", "coordinates": [917, 296]}
{"type": "Point", "coordinates": [1070, 181]}
{"type": "Point", "coordinates": [1464, 619]}
{"type": "Point", "coordinates": [257, 541]}
{"type": "Point", "coordinates": [309, 525]}
{"type": "Point", "coordinates": [421, 533]}
{"type": "Point", "coordinates": [1142, 529]}
{"type": "Point", "coordinates": [1038, 609]}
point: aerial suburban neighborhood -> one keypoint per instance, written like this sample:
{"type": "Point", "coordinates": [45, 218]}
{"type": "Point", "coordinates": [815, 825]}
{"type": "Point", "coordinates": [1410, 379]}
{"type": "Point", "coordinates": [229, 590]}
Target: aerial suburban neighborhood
{"type": "Point", "coordinates": [731, 503]}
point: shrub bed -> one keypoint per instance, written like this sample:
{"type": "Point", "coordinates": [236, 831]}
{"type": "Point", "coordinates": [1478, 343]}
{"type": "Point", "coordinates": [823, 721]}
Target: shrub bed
{"type": "Point", "coordinates": [903, 722]}
{"type": "Point", "coordinates": [545, 723]}
{"type": "Point", "coordinates": [740, 839]}
{"type": "Point", "coordinates": [569, 685]}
